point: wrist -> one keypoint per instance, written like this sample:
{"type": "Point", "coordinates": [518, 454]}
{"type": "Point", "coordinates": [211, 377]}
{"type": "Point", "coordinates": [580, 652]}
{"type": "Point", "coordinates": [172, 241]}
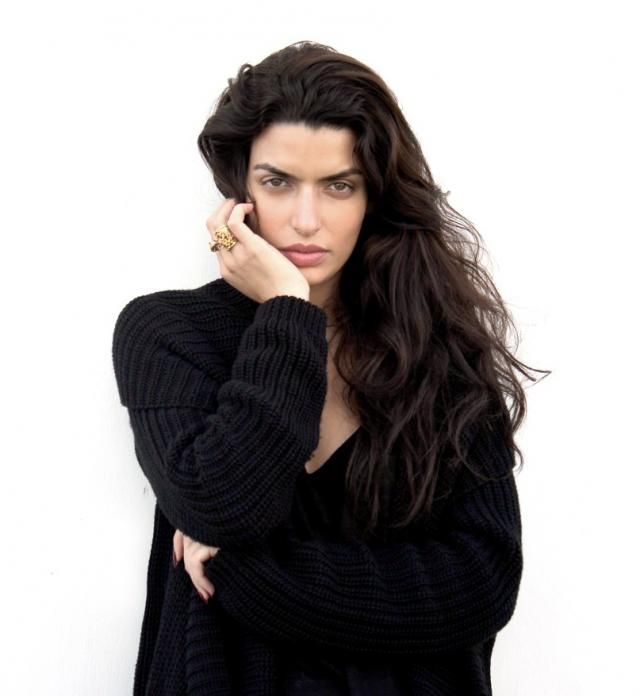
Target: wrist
{"type": "Point", "coordinates": [288, 293]}
{"type": "Point", "coordinates": [303, 292]}
{"type": "Point", "coordinates": [294, 293]}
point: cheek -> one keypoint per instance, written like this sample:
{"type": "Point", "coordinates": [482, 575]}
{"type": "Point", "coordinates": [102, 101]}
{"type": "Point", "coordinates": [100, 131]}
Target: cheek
{"type": "Point", "coordinates": [271, 211]}
{"type": "Point", "coordinates": [270, 218]}
{"type": "Point", "coordinates": [345, 244]}
{"type": "Point", "coordinates": [351, 226]}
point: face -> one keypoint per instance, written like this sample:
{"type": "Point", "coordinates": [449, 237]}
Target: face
{"type": "Point", "coordinates": [299, 199]}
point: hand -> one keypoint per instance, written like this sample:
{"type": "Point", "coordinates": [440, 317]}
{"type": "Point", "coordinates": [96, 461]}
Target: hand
{"type": "Point", "coordinates": [253, 266]}
{"type": "Point", "coordinates": [195, 556]}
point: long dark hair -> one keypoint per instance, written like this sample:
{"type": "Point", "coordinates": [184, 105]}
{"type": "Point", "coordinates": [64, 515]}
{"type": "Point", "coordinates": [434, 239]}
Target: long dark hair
{"type": "Point", "coordinates": [421, 330]}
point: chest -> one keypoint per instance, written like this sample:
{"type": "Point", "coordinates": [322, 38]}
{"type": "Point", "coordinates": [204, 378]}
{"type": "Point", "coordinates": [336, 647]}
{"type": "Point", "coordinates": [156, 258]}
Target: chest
{"type": "Point", "coordinates": [337, 422]}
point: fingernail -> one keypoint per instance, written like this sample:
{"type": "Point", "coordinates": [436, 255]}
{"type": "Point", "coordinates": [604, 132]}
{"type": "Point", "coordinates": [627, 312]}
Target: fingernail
{"type": "Point", "coordinates": [205, 599]}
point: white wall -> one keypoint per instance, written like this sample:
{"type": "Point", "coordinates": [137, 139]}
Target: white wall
{"type": "Point", "coordinates": [528, 114]}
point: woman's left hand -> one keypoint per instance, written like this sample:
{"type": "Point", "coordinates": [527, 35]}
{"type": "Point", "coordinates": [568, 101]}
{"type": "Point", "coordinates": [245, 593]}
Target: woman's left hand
{"type": "Point", "coordinates": [195, 556]}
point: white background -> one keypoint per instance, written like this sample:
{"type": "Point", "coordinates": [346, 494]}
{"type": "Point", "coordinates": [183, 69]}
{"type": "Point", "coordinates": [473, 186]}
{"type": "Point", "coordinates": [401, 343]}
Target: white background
{"type": "Point", "coordinates": [527, 113]}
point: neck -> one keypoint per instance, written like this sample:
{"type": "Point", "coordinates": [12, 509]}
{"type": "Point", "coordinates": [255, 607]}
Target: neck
{"type": "Point", "coordinates": [322, 296]}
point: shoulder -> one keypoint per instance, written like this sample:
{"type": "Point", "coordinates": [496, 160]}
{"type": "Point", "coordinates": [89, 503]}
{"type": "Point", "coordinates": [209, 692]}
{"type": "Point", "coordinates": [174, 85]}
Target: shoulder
{"type": "Point", "coordinates": [180, 337]}
{"type": "Point", "coordinates": [490, 455]}
{"type": "Point", "coordinates": [201, 306]}
{"type": "Point", "coordinates": [172, 314]}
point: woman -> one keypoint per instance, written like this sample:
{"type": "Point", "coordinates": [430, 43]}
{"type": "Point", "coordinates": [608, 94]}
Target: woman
{"type": "Point", "coordinates": [326, 431]}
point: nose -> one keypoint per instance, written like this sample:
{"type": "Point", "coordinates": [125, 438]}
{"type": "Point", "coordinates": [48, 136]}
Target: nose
{"type": "Point", "coordinates": [306, 216]}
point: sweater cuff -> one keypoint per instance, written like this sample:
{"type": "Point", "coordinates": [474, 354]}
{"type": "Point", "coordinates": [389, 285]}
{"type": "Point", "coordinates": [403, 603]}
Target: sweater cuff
{"type": "Point", "coordinates": [292, 308]}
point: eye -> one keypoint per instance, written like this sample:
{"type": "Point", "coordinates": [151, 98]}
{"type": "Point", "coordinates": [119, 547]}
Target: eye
{"type": "Point", "coordinates": [348, 187]}
{"type": "Point", "coordinates": [274, 178]}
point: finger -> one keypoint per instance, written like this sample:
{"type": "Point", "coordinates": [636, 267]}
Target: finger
{"type": "Point", "coordinates": [196, 556]}
{"type": "Point", "coordinates": [235, 221]}
{"type": "Point", "coordinates": [178, 545]}
{"type": "Point", "coordinates": [206, 586]}
{"type": "Point", "coordinates": [195, 570]}
{"type": "Point", "coordinates": [201, 580]}
{"type": "Point", "coordinates": [212, 551]}
{"type": "Point", "coordinates": [204, 596]}
{"type": "Point", "coordinates": [222, 265]}
{"type": "Point", "coordinates": [219, 216]}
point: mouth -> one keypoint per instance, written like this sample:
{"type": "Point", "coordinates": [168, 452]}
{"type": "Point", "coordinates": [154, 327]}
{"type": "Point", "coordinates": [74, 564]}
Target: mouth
{"type": "Point", "coordinates": [305, 258]}
{"type": "Point", "coordinates": [304, 248]}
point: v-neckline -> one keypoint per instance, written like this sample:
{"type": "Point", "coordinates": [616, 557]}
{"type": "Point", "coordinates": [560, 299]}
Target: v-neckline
{"type": "Point", "coordinates": [334, 453]}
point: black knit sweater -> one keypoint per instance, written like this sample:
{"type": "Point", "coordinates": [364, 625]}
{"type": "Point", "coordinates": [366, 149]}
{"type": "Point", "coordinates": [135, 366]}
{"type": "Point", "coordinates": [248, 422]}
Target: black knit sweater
{"type": "Point", "coordinates": [224, 397]}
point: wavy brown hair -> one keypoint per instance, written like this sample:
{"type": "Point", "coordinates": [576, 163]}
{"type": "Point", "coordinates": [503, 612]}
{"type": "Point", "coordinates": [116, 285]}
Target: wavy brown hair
{"type": "Point", "coordinates": [421, 330]}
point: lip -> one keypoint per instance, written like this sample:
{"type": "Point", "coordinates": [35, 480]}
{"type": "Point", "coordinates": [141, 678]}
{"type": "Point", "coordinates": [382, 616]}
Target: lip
{"type": "Point", "coordinates": [303, 259]}
{"type": "Point", "coordinates": [304, 248]}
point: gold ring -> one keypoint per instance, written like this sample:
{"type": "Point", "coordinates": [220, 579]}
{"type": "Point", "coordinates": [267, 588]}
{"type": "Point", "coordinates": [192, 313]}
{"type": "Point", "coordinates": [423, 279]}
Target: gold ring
{"type": "Point", "coordinates": [224, 238]}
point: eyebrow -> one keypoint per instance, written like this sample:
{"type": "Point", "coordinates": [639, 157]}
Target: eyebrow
{"type": "Point", "coordinates": [339, 175]}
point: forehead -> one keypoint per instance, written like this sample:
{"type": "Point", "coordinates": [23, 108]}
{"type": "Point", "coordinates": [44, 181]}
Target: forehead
{"type": "Point", "coordinates": [299, 149]}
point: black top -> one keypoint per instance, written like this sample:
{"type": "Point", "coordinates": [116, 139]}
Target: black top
{"type": "Point", "coordinates": [224, 398]}
{"type": "Point", "coordinates": [318, 510]}
{"type": "Point", "coordinates": [319, 513]}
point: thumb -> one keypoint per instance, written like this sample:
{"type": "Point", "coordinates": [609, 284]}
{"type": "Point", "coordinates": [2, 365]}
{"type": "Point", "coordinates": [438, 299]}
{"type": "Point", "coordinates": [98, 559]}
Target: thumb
{"type": "Point", "coordinates": [178, 547]}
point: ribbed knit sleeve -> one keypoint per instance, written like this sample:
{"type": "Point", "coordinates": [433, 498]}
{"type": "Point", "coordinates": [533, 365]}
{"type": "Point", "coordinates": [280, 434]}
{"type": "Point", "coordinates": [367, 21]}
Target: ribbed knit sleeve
{"type": "Point", "coordinates": [400, 599]}
{"type": "Point", "coordinates": [222, 454]}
